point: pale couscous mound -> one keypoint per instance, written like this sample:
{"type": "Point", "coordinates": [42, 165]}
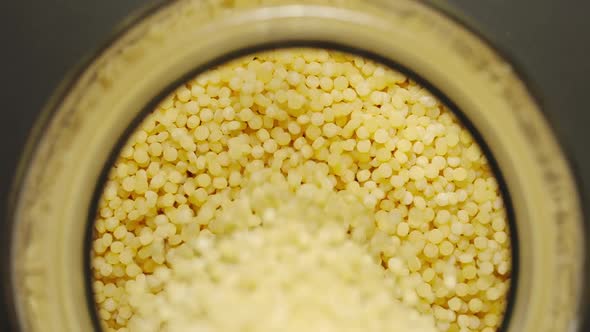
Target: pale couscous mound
{"type": "Point", "coordinates": [301, 189]}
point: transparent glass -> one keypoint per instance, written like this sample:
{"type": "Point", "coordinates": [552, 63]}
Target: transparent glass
{"type": "Point", "coordinates": [85, 122]}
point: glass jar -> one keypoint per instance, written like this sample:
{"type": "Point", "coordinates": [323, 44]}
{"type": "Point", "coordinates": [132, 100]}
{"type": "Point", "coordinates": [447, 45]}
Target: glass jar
{"type": "Point", "coordinates": [87, 121]}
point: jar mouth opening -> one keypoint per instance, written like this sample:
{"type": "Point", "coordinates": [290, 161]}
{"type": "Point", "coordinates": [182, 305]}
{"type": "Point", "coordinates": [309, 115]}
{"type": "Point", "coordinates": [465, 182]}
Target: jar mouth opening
{"type": "Point", "coordinates": [315, 44]}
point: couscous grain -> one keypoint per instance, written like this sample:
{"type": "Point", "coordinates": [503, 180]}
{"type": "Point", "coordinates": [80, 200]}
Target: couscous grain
{"type": "Point", "coordinates": [179, 238]}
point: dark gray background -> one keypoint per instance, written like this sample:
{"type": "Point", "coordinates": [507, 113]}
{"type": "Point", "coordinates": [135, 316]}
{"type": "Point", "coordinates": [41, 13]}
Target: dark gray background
{"type": "Point", "coordinates": [40, 40]}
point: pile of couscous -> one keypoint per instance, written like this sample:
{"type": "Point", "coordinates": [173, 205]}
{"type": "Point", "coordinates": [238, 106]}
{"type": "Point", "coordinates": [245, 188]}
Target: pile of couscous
{"type": "Point", "coordinates": [298, 272]}
{"type": "Point", "coordinates": [301, 189]}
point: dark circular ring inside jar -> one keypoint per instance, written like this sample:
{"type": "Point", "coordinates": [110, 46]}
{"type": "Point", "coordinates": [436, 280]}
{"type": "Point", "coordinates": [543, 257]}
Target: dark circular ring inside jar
{"type": "Point", "coordinates": [438, 218]}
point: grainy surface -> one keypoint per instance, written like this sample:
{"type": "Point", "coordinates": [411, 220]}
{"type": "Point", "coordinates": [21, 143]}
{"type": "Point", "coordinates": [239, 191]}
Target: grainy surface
{"type": "Point", "coordinates": [42, 39]}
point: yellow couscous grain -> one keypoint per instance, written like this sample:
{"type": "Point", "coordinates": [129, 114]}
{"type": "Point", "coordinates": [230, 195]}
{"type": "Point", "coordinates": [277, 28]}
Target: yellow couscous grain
{"type": "Point", "coordinates": [278, 177]}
